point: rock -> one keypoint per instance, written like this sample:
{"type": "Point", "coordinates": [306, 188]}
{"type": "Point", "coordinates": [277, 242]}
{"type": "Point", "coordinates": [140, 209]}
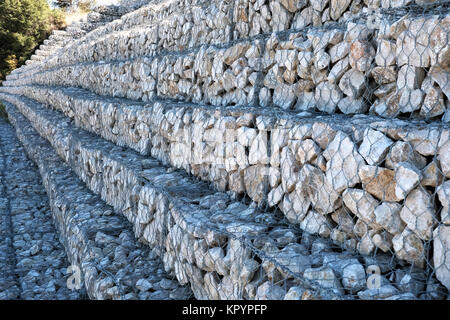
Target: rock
{"type": "Point", "coordinates": [283, 16]}
{"type": "Point", "coordinates": [353, 83]}
{"type": "Point", "coordinates": [305, 101]}
{"type": "Point", "coordinates": [338, 7]}
{"type": "Point", "coordinates": [269, 291]}
{"type": "Point", "coordinates": [255, 181]}
{"type": "Point", "coordinates": [327, 96]}
{"type": "Point", "coordinates": [444, 153]}
{"type": "Point", "coordinates": [339, 51]}
{"type": "Point", "coordinates": [316, 223]}
{"type": "Point", "coordinates": [293, 5]}
{"type": "Point", "coordinates": [379, 182]}
{"type": "Point", "coordinates": [361, 55]}
{"type": "Point", "coordinates": [321, 60]}
{"type": "Point", "coordinates": [294, 293]}
{"type": "Point", "coordinates": [441, 253]}
{"type": "Point", "coordinates": [383, 241]}
{"type": "Point", "coordinates": [352, 106]}
{"type": "Point", "coordinates": [354, 277]}
{"type": "Point", "coordinates": [319, 5]}
{"type": "Point", "coordinates": [361, 204]}
{"type": "Point", "coordinates": [385, 56]}
{"type": "Point", "coordinates": [410, 77]}
{"type": "Point", "coordinates": [375, 146]}
{"type": "Point", "coordinates": [289, 170]}
{"type": "Point", "coordinates": [383, 292]}
{"type": "Point", "coordinates": [411, 281]}
{"type": "Point", "coordinates": [143, 285]}
{"type": "Point", "coordinates": [287, 59]}
{"type": "Point", "coordinates": [431, 175]}
{"type": "Point", "coordinates": [315, 187]}
{"type": "Point", "coordinates": [443, 192]}
{"type": "Point", "coordinates": [338, 70]}
{"type": "Point", "coordinates": [356, 31]}
{"type": "Point", "coordinates": [304, 64]}
{"type": "Point", "coordinates": [384, 75]}
{"type": "Point", "coordinates": [344, 220]}
{"type": "Point", "coordinates": [307, 151]}
{"type": "Point", "coordinates": [409, 247]}
{"type": "Point", "coordinates": [411, 101]}
{"type": "Point", "coordinates": [404, 152]}
{"type": "Point", "coordinates": [433, 104]}
{"type": "Point", "coordinates": [323, 133]}
{"type": "Point", "coordinates": [324, 277]}
{"type": "Point", "coordinates": [424, 141]}
{"type": "Point", "coordinates": [233, 53]}
{"type": "Point", "coordinates": [418, 213]}
{"type": "Point", "coordinates": [285, 95]}
{"type": "Point", "coordinates": [343, 158]}
{"type": "Point", "coordinates": [407, 177]}
{"type": "Point", "coordinates": [387, 215]}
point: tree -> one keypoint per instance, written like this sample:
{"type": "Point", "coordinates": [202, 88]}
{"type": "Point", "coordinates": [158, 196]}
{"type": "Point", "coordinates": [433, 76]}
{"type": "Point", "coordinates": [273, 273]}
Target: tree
{"type": "Point", "coordinates": [24, 24]}
{"type": "Point", "coordinates": [63, 3]}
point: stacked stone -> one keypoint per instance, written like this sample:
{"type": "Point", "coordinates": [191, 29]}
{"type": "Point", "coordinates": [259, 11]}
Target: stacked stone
{"type": "Point", "coordinates": [32, 259]}
{"type": "Point", "coordinates": [367, 183]}
{"type": "Point", "coordinates": [111, 264]}
{"type": "Point", "coordinates": [204, 230]}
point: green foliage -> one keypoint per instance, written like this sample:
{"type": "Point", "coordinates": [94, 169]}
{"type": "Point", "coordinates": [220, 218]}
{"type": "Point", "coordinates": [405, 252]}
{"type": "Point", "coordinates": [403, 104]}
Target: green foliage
{"type": "Point", "coordinates": [24, 24]}
{"type": "Point", "coordinates": [3, 113]}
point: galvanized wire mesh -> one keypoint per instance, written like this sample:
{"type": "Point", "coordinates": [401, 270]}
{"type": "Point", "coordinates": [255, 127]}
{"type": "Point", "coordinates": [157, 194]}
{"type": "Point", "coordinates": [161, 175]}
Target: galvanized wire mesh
{"type": "Point", "coordinates": [321, 126]}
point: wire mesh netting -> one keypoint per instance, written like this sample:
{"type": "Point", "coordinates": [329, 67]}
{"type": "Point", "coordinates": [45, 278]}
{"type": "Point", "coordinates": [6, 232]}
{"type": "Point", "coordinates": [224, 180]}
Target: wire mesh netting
{"type": "Point", "coordinates": [302, 153]}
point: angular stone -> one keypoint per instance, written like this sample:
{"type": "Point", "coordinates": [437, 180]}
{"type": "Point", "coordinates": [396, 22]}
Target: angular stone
{"type": "Point", "coordinates": [353, 106]}
{"type": "Point", "coordinates": [323, 134]}
{"type": "Point", "coordinates": [338, 70]}
{"type": "Point", "coordinates": [286, 58]}
{"type": "Point", "coordinates": [316, 223]}
{"type": "Point", "coordinates": [407, 177]}
{"type": "Point", "coordinates": [233, 53]}
{"type": "Point", "coordinates": [269, 291]}
{"type": "Point", "coordinates": [374, 147]}
{"type": "Point", "coordinates": [255, 180]}
{"type": "Point", "coordinates": [418, 213]}
{"type": "Point", "coordinates": [441, 254]}
{"type": "Point", "coordinates": [409, 247]}
{"type": "Point", "coordinates": [321, 60]}
{"type": "Point", "coordinates": [338, 7]}
{"type": "Point", "coordinates": [327, 97]}
{"type": "Point", "coordinates": [443, 192]}
{"type": "Point", "coordinates": [387, 215]}
{"type": "Point", "coordinates": [354, 277]}
{"type": "Point", "coordinates": [383, 292]}
{"type": "Point", "coordinates": [379, 182]}
{"type": "Point", "coordinates": [339, 51]}
{"type": "Point", "coordinates": [433, 104]}
{"type": "Point", "coordinates": [404, 152]}
{"type": "Point", "coordinates": [385, 56]}
{"type": "Point", "coordinates": [353, 83]}
{"type": "Point", "coordinates": [282, 15]}
{"type": "Point", "coordinates": [431, 175]}
{"type": "Point", "coordinates": [362, 205]}
{"type": "Point", "coordinates": [410, 77]}
{"type": "Point", "coordinates": [384, 75]}
{"type": "Point", "coordinates": [411, 101]}
{"type": "Point", "coordinates": [319, 5]}
{"type": "Point", "coordinates": [361, 55]}
{"type": "Point", "coordinates": [324, 277]}
{"type": "Point", "coordinates": [315, 187]}
{"type": "Point", "coordinates": [343, 162]}
{"type": "Point", "coordinates": [307, 151]}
